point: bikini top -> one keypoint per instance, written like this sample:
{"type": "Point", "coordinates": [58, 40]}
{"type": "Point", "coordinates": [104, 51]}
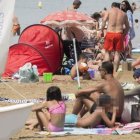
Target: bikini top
{"type": "Point", "coordinates": [58, 109]}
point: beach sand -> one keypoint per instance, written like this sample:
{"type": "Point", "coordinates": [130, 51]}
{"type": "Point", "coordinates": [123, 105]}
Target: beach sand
{"type": "Point", "coordinates": [38, 90]}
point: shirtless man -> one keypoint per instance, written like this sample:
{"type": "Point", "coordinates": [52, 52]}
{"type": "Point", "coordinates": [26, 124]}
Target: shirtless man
{"type": "Point", "coordinates": [118, 27]}
{"type": "Point", "coordinates": [110, 86]}
{"type": "Point", "coordinates": [76, 4]}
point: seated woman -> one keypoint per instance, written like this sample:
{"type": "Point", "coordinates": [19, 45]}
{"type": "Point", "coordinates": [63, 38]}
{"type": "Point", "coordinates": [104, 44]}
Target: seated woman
{"type": "Point", "coordinates": [51, 113]}
{"type": "Point", "coordinates": [99, 115]}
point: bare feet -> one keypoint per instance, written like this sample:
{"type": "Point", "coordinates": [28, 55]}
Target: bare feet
{"type": "Point", "coordinates": [31, 124]}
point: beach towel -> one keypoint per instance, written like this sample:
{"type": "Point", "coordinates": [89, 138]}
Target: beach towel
{"type": "Point", "coordinates": [127, 129]}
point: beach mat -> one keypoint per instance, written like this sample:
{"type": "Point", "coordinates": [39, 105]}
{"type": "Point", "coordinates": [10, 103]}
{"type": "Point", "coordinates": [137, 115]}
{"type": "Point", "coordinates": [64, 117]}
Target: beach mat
{"type": "Point", "coordinates": [127, 129]}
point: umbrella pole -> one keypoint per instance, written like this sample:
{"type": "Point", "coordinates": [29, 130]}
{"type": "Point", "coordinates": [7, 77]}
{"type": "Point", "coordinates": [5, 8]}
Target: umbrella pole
{"type": "Point", "coordinates": [76, 63]}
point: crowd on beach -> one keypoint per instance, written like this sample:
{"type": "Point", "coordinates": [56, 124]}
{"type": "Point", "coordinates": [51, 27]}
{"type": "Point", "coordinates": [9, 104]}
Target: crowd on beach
{"type": "Point", "coordinates": [102, 104]}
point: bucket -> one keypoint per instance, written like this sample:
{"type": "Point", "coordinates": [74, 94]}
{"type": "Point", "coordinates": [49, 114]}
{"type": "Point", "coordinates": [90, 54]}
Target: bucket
{"type": "Point", "coordinates": [47, 77]}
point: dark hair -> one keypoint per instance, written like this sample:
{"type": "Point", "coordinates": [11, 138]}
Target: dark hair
{"type": "Point", "coordinates": [136, 20]}
{"type": "Point", "coordinates": [77, 2]}
{"type": "Point", "coordinates": [133, 3]}
{"type": "Point", "coordinates": [54, 93]}
{"type": "Point", "coordinates": [116, 4]}
{"type": "Point", "coordinates": [108, 66]}
{"type": "Point", "coordinates": [96, 15]}
{"type": "Point", "coordinates": [105, 8]}
{"type": "Point", "coordinates": [104, 99]}
{"type": "Point", "coordinates": [128, 6]}
{"type": "Point", "coordinates": [82, 56]}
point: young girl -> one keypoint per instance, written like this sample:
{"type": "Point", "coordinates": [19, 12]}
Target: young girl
{"type": "Point", "coordinates": [51, 113]}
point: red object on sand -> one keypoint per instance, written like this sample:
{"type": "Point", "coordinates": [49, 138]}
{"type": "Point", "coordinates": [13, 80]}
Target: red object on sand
{"type": "Point", "coordinates": [67, 17]}
{"type": "Point", "coordinates": [39, 45]}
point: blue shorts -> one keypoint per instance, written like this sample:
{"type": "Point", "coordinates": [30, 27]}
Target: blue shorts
{"type": "Point", "coordinates": [71, 119]}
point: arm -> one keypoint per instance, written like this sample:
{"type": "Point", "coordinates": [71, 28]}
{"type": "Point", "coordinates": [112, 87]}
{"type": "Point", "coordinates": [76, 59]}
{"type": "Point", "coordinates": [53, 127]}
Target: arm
{"type": "Point", "coordinates": [109, 123]}
{"type": "Point", "coordinates": [126, 25]}
{"type": "Point", "coordinates": [130, 18]}
{"type": "Point", "coordinates": [88, 91]}
{"type": "Point", "coordinates": [73, 72]}
{"type": "Point", "coordinates": [104, 20]}
{"type": "Point", "coordinates": [39, 106]}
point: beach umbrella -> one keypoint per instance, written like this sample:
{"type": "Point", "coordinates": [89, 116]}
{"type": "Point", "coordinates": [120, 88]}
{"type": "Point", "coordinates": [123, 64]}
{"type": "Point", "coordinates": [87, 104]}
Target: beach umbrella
{"type": "Point", "coordinates": [68, 18]}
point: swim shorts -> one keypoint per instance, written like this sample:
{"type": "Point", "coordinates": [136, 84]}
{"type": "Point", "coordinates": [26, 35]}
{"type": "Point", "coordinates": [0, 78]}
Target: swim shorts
{"type": "Point", "coordinates": [71, 119]}
{"type": "Point", "coordinates": [114, 42]}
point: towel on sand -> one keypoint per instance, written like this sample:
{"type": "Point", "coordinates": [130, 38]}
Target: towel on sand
{"type": "Point", "coordinates": [127, 129]}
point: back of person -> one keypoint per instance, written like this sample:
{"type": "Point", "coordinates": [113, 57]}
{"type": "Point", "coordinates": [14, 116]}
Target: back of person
{"type": "Point", "coordinates": [116, 20]}
{"type": "Point", "coordinates": [57, 112]}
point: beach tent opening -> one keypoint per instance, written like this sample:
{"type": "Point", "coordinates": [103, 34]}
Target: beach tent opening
{"type": "Point", "coordinates": [38, 44]}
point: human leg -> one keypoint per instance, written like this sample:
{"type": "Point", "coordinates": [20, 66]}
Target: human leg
{"type": "Point", "coordinates": [107, 55]}
{"type": "Point", "coordinates": [130, 49]}
{"type": "Point", "coordinates": [78, 105]}
{"type": "Point", "coordinates": [81, 102]}
{"type": "Point", "coordinates": [42, 119]}
{"type": "Point", "coordinates": [116, 60]}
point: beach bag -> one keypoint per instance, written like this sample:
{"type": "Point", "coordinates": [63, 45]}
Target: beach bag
{"type": "Point", "coordinates": [135, 113]}
{"type": "Point", "coordinates": [28, 73]}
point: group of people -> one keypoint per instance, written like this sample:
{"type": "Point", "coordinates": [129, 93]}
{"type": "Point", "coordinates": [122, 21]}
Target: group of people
{"type": "Point", "coordinates": [103, 103]}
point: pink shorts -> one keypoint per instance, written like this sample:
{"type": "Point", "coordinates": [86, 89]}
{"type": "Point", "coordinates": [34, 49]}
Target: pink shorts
{"type": "Point", "coordinates": [54, 128]}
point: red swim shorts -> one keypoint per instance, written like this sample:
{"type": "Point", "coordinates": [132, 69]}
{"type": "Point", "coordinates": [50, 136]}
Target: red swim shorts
{"type": "Point", "coordinates": [114, 42]}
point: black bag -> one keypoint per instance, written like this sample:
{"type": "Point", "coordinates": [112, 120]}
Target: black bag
{"type": "Point", "coordinates": [135, 113]}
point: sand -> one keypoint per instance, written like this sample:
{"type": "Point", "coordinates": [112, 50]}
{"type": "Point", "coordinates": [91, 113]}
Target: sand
{"type": "Point", "coordinates": [10, 88]}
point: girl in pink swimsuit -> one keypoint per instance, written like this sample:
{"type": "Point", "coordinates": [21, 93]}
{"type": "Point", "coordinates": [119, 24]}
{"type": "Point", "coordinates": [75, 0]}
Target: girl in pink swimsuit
{"type": "Point", "coordinates": [51, 113]}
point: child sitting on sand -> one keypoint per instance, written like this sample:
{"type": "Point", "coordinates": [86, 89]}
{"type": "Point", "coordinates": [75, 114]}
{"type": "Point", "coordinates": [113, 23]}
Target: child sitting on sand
{"type": "Point", "coordinates": [50, 113]}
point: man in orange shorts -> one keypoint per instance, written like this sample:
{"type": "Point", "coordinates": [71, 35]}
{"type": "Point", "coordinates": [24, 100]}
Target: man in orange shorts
{"type": "Point", "coordinates": [114, 38]}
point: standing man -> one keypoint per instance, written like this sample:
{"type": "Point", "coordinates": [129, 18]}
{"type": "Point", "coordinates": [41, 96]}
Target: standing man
{"type": "Point", "coordinates": [76, 4]}
{"type": "Point", "coordinates": [118, 27]}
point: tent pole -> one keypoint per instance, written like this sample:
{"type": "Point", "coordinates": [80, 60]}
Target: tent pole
{"type": "Point", "coordinates": [76, 63]}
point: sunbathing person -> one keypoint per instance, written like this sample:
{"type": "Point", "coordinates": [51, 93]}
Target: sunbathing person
{"type": "Point", "coordinates": [101, 115]}
{"type": "Point", "coordinates": [51, 113]}
{"type": "Point", "coordinates": [110, 86]}
{"type": "Point", "coordinates": [82, 67]}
